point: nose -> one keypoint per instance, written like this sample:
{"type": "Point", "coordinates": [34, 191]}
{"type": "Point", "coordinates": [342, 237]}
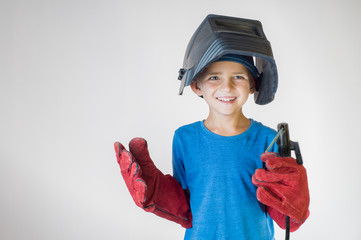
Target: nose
{"type": "Point", "coordinates": [228, 84]}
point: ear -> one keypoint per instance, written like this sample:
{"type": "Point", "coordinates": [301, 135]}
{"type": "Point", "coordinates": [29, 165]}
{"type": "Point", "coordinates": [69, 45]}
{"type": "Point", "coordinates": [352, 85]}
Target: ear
{"type": "Point", "coordinates": [195, 88]}
{"type": "Point", "coordinates": [253, 86]}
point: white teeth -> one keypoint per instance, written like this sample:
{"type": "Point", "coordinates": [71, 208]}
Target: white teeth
{"type": "Point", "coordinates": [225, 99]}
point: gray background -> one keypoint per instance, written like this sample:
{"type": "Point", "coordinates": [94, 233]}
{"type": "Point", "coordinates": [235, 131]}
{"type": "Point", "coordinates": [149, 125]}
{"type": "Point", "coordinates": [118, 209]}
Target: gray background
{"type": "Point", "coordinates": [78, 75]}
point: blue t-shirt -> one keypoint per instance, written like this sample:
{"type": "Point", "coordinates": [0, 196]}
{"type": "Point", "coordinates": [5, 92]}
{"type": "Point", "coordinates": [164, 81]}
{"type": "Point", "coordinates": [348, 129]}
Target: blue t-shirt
{"type": "Point", "coordinates": [218, 171]}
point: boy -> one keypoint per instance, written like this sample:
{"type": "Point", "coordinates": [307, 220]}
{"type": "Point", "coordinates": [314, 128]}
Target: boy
{"type": "Point", "coordinates": [216, 162]}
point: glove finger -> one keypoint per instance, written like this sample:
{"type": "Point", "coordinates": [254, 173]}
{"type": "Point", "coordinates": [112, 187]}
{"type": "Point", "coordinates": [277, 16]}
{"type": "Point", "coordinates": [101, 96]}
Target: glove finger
{"type": "Point", "coordinates": [263, 176]}
{"type": "Point", "coordinates": [274, 162]}
{"type": "Point", "coordinates": [271, 199]}
{"type": "Point", "coordinates": [136, 185]}
{"type": "Point", "coordinates": [140, 191]}
{"type": "Point", "coordinates": [267, 197]}
{"type": "Point", "coordinates": [135, 172]}
{"type": "Point", "coordinates": [280, 188]}
{"type": "Point", "coordinates": [277, 189]}
{"type": "Point", "coordinates": [139, 148]}
{"type": "Point", "coordinates": [254, 181]}
{"type": "Point", "coordinates": [281, 162]}
{"type": "Point", "coordinates": [118, 147]}
{"type": "Point", "coordinates": [268, 155]}
{"type": "Point", "coordinates": [274, 197]}
{"type": "Point", "coordinates": [125, 160]}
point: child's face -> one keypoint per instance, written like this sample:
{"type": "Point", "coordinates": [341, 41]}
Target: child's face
{"type": "Point", "coordinates": [225, 86]}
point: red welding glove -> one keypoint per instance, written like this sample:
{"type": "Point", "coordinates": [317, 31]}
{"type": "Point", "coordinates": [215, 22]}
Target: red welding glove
{"type": "Point", "coordinates": [150, 188]}
{"type": "Point", "coordinates": [283, 188]}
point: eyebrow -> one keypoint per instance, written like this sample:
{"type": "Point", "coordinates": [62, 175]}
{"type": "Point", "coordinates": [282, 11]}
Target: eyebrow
{"type": "Point", "coordinates": [213, 73]}
{"type": "Point", "coordinates": [219, 73]}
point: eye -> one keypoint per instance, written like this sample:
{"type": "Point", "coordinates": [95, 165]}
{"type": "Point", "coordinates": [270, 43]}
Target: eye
{"type": "Point", "coordinates": [213, 78]}
{"type": "Point", "coordinates": [239, 77]}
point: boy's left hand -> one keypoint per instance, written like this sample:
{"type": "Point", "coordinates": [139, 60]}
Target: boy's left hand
{"type": "Point", "coordinates": [283, 186]}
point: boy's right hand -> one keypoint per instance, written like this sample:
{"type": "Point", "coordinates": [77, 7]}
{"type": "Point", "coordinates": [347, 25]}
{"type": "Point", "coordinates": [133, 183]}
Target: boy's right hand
{"type": "Point", "coordinates": [150, 188]}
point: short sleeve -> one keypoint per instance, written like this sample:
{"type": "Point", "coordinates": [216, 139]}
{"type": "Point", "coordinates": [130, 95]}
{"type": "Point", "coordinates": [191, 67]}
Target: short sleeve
{"type": "Point", "coordinates": [179, 172]}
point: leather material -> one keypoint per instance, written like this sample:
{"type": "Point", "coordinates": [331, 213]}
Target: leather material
{"type": "Point", "coordinates": [283, 187]}
{"type": "Point", "coordinates": [150, 189]}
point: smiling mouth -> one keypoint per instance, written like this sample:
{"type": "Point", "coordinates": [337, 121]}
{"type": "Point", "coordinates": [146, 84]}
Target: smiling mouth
{"type": "Point", "coordinates": [226, 99]}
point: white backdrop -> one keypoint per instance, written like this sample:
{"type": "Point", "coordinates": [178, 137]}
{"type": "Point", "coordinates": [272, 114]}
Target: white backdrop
{"type": "Point", "coordinates": [78, 75]}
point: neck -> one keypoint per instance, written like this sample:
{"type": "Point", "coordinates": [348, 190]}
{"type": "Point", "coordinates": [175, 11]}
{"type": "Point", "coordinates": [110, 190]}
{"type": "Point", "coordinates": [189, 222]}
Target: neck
{"type": "Point", "coordinates": [227, 125]}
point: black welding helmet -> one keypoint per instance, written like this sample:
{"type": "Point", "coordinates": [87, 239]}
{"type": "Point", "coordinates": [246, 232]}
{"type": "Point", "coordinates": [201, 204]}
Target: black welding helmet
{"type": "Point", "coordinates": [218, 36]}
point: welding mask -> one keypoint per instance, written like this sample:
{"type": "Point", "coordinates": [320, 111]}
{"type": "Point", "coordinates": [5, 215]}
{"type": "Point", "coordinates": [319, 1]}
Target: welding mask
{"type": "Point", "coordinates": [218, 36]}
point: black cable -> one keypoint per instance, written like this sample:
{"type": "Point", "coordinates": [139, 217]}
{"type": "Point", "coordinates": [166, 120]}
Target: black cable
{"type": "Point", "coordinates": [287, 227]}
